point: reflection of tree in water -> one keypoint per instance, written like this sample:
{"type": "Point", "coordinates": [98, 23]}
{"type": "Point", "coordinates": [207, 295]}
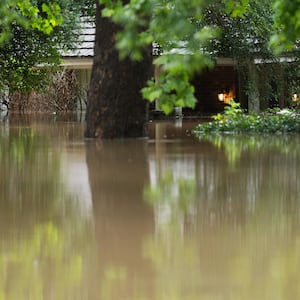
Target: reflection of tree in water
{"type": "Point", "coordinates": [172, 252]}
{"type": "Point", "coordinates": [118, 171]}
{"type": "Point", "coordinates": [264, 173]}
{"type": "Point", "coordinates": [241, 240]}
{"type": "Point", "coordinates": [173, 199]}
{"type": "Point", "coordinates": [41, 234]}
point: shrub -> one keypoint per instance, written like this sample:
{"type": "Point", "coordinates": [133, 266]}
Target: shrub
{"type": "Point", "coordinates": [235, 120]}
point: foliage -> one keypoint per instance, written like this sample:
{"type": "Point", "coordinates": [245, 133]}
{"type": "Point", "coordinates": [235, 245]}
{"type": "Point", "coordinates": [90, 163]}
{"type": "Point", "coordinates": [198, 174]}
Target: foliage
{"type": "Point", "coordinates": [274, 81]}
{"type": "Point", "coordinates": [233, 110]}
{"type": "Point", "coordinates": [173, 90]}
{"type": "Point", "coordinates": [233, 120]}
{"type": "Point", "coordinates": [242, 37]}
{"type": "Point", "coordinates": [287, 20]}
{"type": "Point", "coordinates": [19, 57]}
{"type": "Point", "coordinates": [188, 32]}
{"type": "Point", "coordinates": [171, 24]}
{"type": "Point", "coordinates": [246, 39]}
{"type": "Point", "coordinates": [35, 35]}
{"type": "Point", "coordinates": [42, 16]}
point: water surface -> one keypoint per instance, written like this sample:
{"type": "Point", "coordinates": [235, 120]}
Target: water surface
{"type": "Point", "coordinates": [171, 217]}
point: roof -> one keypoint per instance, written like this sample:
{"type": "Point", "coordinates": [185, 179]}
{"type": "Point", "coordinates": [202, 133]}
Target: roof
{"type": "Point", "coordinates": [82, 56]}
{"type": "Point", "coordinates": [86, 40]}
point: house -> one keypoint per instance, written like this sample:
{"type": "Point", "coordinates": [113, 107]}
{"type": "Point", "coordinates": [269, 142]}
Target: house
{"type": "Point", "coordinates": [208, 86]}
{"type": "Point", "coordinates": [213, 87]}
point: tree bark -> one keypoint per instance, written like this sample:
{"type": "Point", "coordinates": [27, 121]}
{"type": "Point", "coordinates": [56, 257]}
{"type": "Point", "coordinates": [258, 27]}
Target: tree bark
{"type": "Point", "coordinates": [253, 90]}
{"type": "Point", "coordinates": [115, 106]}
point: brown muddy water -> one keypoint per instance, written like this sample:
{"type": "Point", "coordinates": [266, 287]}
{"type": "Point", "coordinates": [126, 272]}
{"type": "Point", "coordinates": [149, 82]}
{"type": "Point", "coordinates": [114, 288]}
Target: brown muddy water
{"type": "Point", "coordinates": [171, 217]}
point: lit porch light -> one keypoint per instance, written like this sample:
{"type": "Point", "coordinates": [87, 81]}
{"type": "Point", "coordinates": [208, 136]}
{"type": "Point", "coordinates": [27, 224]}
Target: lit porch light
{"type": "Point", "coordinates": [221, 97]}
{"type": "Point", "coordinates": [295, 98]}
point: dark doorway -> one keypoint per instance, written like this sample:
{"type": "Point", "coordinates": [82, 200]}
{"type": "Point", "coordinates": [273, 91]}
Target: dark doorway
{"type": "Point", "coordinates": [213, 89]}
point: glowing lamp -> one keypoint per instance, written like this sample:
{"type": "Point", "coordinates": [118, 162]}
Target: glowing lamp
{"type": "Point", "coordinates": [221, 97]}
{"type": "Point", "coordinates": [295, 98]}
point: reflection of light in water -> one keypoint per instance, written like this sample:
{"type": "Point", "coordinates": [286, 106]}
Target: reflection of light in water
{"type": "Point", "coordinates": [75, 173]}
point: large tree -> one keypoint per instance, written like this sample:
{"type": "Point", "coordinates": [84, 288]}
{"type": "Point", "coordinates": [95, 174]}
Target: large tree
{"type": "Point", "coordinates": [115, 106]}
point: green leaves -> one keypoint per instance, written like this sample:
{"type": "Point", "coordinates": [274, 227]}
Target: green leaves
{"type": "Point", "coordinates": [134, 18]}
{"type": "Point", "coordinates": [188, 32]}
{"type": "Point", "coordinates": [235, 121]}
{"type": "Point", "coordinates": [173, 90]}
{"type": "Point", "coordinates": [170, 23]}
{"type": "Point", "coordinates": [33, 34]}
{"type": "Point", "coordinates": [44, 19]}
{"type": "Point", "coordinates": [28, 14]}
{"type": "Point", "coordinates": [237, 8]}
{"type": "Point", "coordinates": [8, 14]}
{"type": "Point", "coordinates": [287, 22]}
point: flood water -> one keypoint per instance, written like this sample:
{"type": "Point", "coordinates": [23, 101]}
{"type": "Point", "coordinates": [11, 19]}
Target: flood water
{"type": "Point", "coordinates": [171, 217]}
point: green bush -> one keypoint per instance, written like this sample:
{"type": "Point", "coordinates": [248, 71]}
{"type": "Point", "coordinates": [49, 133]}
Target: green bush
{"type": "Point", "coordinates": [235, 120]}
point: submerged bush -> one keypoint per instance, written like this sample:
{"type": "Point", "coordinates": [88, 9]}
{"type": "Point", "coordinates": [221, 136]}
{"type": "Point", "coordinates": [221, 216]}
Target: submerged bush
{"type": "Point", "coordinates": [235, 120]}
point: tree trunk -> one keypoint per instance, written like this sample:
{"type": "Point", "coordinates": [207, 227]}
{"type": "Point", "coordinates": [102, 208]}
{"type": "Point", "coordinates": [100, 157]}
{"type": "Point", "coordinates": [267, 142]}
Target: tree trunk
{"type": "Point", "coordinates": [253, 90]}
{"type": "Point", "coordinates": [115, 106]}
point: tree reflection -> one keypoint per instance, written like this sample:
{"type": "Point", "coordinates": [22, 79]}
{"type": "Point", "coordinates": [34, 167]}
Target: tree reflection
{"type": "Point", "coordinates": [43, 249]}
{"type": "Point", "coordinates": [118, 171]}
{"type": "Point", "coordinates": [233, 233]}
